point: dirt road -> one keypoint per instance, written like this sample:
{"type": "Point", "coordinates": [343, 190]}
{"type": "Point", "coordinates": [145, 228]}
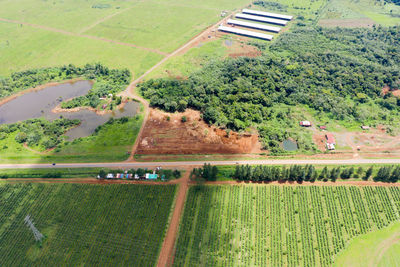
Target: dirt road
{"type": "Point", "coordinates": [167, 250]}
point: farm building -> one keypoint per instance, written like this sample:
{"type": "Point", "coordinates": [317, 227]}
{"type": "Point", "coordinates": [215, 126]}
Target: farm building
{"type": "Point", "coordinates": [151, 176]}
{"type": "Point", "coordinates": [330, 139]}
{"type": "Point", "coordinates": [330, 146]}
{"type": "Point", "coordinates": [267, 14]}
{"type": "Point", "coordinates": [253, 25]}
{"type": "Point", "coordinates": [305, 123]}
{"type": "Point", "coordinates": [246, 33]}
{"type": "Point", "coordinates": [364, 127]}
{"type": "Point", "coordinates": [261, 19]}
{"type": "Point", "coordinates": [322, 127]}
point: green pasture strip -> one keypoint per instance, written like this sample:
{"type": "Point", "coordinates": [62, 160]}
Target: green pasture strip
{"type": "Point", "coordinates": [379, 248]}
{"type": "Point", "coordinates": [278, 225]}
{"type": "Point", "coordinates": [113, 142]}
{"type": "Point", "coordinates": [120, 225]}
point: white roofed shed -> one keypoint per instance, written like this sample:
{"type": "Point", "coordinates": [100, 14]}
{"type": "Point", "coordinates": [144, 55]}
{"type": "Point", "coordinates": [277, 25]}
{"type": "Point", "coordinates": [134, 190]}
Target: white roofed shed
{"type": "Point", "coordinates": [261, 19]}
{"type": "Point", "coordinates": [253, 25]}
{"type": "Point", "coordinates": [267, 14]}
{"type": "Point", "coordinates": [246, 33]}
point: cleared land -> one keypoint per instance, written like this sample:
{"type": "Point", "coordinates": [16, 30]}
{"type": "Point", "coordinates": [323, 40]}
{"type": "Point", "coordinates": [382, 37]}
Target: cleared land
{"type": "Point", "coordinates": [278, 225]}
{"type": "Point", "coordinates": [165, 133]}
{"type": "Point", "coordinates": [84, 224]}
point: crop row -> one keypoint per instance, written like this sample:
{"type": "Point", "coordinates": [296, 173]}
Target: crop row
{"type": "Point", "coordinates": [278, 225]}
{"type": "Point", "coordinates": [83, 224]}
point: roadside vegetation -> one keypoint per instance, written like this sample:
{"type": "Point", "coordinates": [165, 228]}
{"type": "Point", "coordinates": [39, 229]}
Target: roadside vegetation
{"type": "Point", "coordinates": [110, 142]}
{"type": "Point", "coordinates": [279, 225]}
{"type": "Point", "coordinates": [84, 224]}
{"type": "Point", "coordinates": [339, 73]}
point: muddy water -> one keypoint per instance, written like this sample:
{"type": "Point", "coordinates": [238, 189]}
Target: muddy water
{"type": "Point", "coordinates": [40, 104]}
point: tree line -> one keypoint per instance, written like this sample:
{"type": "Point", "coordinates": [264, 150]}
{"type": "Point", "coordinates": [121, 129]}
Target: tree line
{"type": "Point", "coordinates": [207, 172]}
{"type": "Point", "coordinates": [107, 81]}
{"type": "Point", "coordinates": [309, 173]}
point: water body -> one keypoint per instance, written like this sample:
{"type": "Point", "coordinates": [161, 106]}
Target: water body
{"type": "Point", "coordinates": [39, 104]}
{"type": "Point", "coordinates": [289, 145]}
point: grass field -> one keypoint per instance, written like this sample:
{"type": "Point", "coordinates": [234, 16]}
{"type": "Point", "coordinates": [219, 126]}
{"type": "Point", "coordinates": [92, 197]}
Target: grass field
{"type": "Point", "coordinates": [89, 225]}
{"type": "Point", "coordinates": [278, 225]}
{"type": "Point", "coordinates": [360, 12]}
{"type": "Point", "coordinates": [379, 248]}
{"type": "Point", "coordinates": [41, 173]}
{"type": "Point", "coordinates": [112, 143]}
{"type": "Point", "coordinates": [70, 31]}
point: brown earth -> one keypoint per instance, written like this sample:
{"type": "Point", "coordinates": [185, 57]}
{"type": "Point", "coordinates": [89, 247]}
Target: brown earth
{"type": "Point", "coordinates": [349, 23]}
{"type": "Point", "coordinates": [386, 90]}
{"type": "Point", "coordinates": [194, 136]}
{"type": "Point", "coordinates": [243, 50]}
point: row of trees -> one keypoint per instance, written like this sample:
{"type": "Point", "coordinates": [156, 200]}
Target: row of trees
{"type": "Point", "coordinates": [207, 172]}
{"type": "Point", "coordinates": [310, 173]}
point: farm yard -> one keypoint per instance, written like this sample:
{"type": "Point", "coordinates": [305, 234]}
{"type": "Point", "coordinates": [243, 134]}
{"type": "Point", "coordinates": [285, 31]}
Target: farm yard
{"type": "Point", "coordinates": [83, 224]}
{"type": "Point", "coordinates": [279, 225]}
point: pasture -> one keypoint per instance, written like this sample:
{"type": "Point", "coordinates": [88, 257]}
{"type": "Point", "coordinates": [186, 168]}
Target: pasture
{"type": "Point", "coordinates": [131, 34]}
{"type": "Point", "coordinates": [379, 248]}
{"type": "Point", "coordinates": [279, 225]}
{"type": "Point", "coordinates": [83, 224]}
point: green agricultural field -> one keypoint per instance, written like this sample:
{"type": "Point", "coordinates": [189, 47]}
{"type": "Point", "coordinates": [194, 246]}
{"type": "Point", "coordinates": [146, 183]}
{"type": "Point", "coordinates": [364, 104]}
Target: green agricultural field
{"type": "Point", "coordinates": [89, 225]}
{"type": "Point", "coordinates": [112, 142]}
{"type": "Point", "coordinates": [63, 32]}
{"type": "Point", "coordinates": [379, 248]}
{"type": "Point", "coordinates": [279, 225]}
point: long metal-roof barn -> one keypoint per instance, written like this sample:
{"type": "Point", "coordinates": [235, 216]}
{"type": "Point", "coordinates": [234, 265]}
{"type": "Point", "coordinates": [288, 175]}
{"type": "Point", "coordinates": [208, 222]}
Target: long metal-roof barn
{"type": "Point", "coordinates": [261, 19]}
{"type": "Point", "coordinates": [267, 14]}
{"type": "Point", "coordinates": [253, 25]}
{"type": "Point", "coordinates": [246, 33]}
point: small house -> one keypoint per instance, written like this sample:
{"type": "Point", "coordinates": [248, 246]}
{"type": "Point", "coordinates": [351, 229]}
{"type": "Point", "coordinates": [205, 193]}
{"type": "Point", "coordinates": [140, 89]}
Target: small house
{"type": "Point", "coordinates": [330, 146]}
{"type": "Point", "coordinates": [365, 127]}
{"type": "Point", "coordinates": [305, 124]}
{"type": "Point", "coordinates": [322, 127]}
{"type": "Point", "coordinates": [110, 176]}
{"type": "Point", "coordinates": [137, 177]}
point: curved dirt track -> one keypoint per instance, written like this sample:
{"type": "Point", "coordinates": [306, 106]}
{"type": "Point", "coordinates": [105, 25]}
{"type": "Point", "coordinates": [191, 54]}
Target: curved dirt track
{"type": "Point", "coordinates": [382, 248]}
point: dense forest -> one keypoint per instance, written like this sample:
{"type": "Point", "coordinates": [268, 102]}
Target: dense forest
{"type": "Point", "coordinates": [107, 81]}
{"type": "Point", "coordinates": [338, 72]}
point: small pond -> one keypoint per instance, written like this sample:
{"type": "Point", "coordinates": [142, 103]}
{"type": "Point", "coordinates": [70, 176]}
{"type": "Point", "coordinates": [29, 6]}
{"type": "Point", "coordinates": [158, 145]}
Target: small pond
{"type": "Point", "coordinates": [289, 145]}
{"type": "Point", "coordinates": [39, 104]}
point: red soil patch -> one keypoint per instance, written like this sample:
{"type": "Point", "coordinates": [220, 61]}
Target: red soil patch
{"type": "Point", "coordinates": [243, 50]}
{"type": "Point", "coordinates": [386, 90]}
{"type": "Point", "coordinates": [320, 140]}
{"type": "Point", "coordinates": [348, 23]}
{"type": "Point", "coordinates": [194, 136]}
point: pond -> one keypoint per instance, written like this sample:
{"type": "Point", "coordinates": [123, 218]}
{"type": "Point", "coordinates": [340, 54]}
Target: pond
{"type": "Point", "coordinates": [39, 104]}
{"type": "Point", "coordinates": [289, 145]}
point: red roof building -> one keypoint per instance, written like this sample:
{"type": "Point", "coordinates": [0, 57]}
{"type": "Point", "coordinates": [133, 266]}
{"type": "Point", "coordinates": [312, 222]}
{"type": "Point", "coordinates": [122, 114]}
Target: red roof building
{"type": "Point", "coordinates": [330, 139]}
